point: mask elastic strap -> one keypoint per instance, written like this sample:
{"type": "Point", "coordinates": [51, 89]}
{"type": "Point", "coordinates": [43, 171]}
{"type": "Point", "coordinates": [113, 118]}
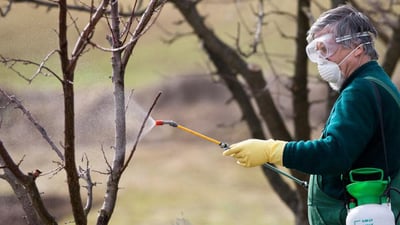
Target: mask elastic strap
{"type": "Point", "coordinates": [348, 55]}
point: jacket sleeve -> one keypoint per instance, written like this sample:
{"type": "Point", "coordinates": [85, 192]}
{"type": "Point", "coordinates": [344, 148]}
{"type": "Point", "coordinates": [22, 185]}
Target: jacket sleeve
{"type": "Point", "coordinates": [348, 130]}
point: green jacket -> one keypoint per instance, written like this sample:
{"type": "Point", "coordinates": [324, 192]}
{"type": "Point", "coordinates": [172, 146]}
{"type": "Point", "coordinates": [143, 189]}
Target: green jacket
{"type": "Point", "coordinates": [351, 137]}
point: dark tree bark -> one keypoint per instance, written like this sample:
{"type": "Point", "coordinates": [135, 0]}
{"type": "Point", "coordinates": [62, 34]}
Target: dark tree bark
{"type": "Point", "coordinates": [301, 105]}
{"type": "Point", "coordinates": [392, 54]}
{"type": "Point", "coordinates": [69, 119]}
{"type": "Point", "coordinates": [25, 189]}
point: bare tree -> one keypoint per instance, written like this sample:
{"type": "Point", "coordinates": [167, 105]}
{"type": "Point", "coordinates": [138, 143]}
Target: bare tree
{"type": "Point", "coordinates": [122, 44]}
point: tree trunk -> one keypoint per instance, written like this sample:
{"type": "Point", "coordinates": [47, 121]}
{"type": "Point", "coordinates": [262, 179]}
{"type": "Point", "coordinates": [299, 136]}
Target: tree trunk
{"type": "Point", "coordinates": [69, 120]}
{"type": "Point", "coordinates": [120, 126]}
{"type": "Point", "coordinates": [301, 106]}
{"type": "Point", "coordinates": [392, 54]}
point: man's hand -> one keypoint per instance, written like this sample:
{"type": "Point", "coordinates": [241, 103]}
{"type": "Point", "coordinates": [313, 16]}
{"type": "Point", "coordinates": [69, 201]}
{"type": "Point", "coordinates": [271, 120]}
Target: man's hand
{"type": "Point", "coordinates": [255, 152]}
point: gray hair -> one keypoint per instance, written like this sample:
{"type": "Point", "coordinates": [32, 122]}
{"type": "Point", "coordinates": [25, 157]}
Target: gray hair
{"type": "Point", "coordinates": [350, 28]}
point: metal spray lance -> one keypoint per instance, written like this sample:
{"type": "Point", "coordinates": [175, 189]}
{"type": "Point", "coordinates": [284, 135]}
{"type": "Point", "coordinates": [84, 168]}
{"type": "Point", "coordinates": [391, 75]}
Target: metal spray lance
{"type": "Point", "coordinates": [226, 146]}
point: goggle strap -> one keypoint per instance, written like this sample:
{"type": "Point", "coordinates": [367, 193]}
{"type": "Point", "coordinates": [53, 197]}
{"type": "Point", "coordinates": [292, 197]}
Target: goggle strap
{"type": "Point", "coordinates": [348, 37]}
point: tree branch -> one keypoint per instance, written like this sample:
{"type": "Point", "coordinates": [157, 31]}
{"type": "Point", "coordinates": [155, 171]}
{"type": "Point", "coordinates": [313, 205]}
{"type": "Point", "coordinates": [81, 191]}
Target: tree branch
{"type": "Point", "coordinates": [41, 66]}
{"type": "Point", "coordinates": [87, 33]}
{"type": "Point", "coordinates": [40, 128]}
{"type": "Point", "coordinates": [53, 5]}
{"type": "Point", "coordinates": [29, 194]}
{"type": "Point", "coordinates": [85, 175]}
{"type": "Point", "coordinates": [153, 7]}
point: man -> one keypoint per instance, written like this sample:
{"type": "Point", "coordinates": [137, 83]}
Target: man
{"type": "Point", "coordinates": [341, 44]}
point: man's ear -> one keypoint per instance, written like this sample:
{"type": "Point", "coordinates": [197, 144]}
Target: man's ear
{"type": "Point", "coordinates": [359, 50]}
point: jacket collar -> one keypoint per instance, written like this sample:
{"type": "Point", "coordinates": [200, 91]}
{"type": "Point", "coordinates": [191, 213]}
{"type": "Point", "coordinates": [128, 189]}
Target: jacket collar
{"type": "Point", "coordinates": [359, 72]}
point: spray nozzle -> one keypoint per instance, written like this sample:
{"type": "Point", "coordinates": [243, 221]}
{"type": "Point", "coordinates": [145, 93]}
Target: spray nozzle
{"type": "Point", "coordinates": [169, 122]}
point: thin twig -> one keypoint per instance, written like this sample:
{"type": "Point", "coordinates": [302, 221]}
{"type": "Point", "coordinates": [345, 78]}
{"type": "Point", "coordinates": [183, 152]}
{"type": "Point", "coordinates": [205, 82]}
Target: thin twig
{"type": "Point", "coordinates": [9, 62]}
{"type": "Point", "coordinates": [85, 175]}
{"type": "Point", "coordinates": [106, 161]}
{"type": "Point", "coordinates": [55, 171]}
{"type": "Point", "coordinates": [129, 99]}
{"type": "Point", "coordinates": [129, 24]}
{"type": "Point", "coordinates": [143, 26]}
{"type": "Point", "coordinates": [41, 65]}
{"type": "Point", "coordinates": [140, 133]}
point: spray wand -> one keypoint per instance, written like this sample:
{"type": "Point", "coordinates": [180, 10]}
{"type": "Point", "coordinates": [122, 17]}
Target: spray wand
{"type": "Point", "coordinates": [226, 146]}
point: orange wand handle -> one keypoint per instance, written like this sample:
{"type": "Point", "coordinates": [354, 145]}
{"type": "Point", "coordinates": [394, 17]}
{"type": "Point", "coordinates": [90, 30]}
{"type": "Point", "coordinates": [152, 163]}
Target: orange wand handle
{"type": "Point", "coordinates": [174, 124]}
{"type": "Point", "coordinates": [199, 134]}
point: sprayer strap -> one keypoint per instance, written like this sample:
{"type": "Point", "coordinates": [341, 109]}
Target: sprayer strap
{"type": "Point", "coordinates": [379, 104]}
{"type": "Point", "coordinates": [387, 88]}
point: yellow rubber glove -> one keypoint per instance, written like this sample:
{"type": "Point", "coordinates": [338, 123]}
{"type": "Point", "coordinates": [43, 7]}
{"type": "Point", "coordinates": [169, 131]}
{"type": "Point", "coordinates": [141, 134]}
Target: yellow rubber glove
{"type": "Point", "coordinates": [255, 152]}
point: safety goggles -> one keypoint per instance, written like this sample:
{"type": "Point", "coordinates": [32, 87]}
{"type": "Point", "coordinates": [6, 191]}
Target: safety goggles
{"type": "Point", "coordinates": [326, 45]}
{"type": "Point", "coordinates": [321, 48]}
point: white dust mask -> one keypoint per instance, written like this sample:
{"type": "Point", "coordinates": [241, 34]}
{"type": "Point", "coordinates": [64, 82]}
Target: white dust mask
{"type": "Point", "coordinates": [330, 71]}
